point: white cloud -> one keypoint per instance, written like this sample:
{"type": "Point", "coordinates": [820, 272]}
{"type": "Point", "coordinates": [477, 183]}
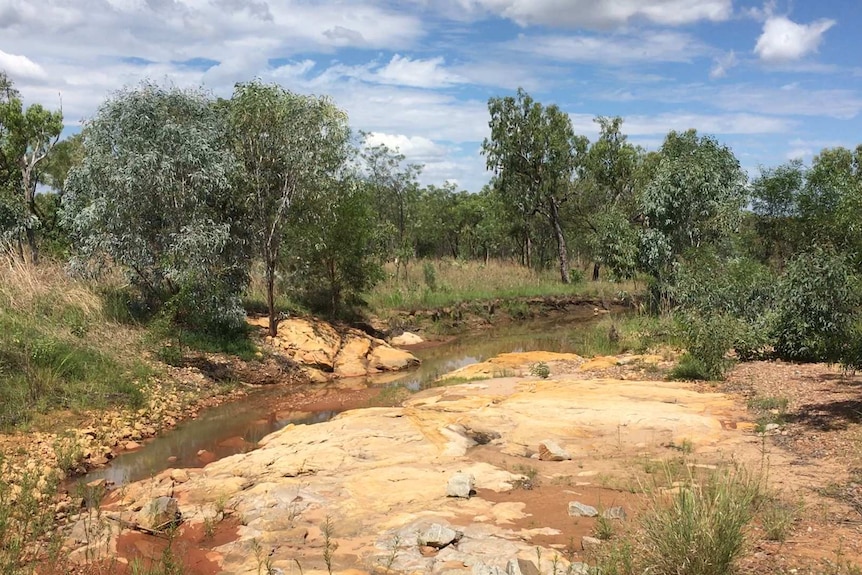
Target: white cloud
{"type": "Point", "coordinates": [404, 71]}
{"type": "Point", "coordinates": [722, 64]}
{"type": "Point", "coordinates": [415, 148]}
{"type": "Point", "coordinates": [783, 40]}
{"type": "Point", "coordinates": [616, 49]}
{"type": "Point", "coordinates": [639, 125]}
{"type": "Point", "coordinates": [18, 66]}
{"type": "Point", "coordinates": [603, 13]}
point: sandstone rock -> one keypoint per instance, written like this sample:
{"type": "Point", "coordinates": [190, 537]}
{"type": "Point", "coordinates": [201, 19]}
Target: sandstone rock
{"type": "Point", "coordinates": [385, 358]}
{"type": "Point", "coordinates": [406, 338]}
{"type": "Point", "coordinates": [180, 475]}
{"type": "Point", "coordinates": [131, 445]}
{"type": "Point", "coordinates": [614, 513]}
{"type": "Point", "coordinates": [578, 509]}
{"type": "Point", "coordinates": [521, 567]}
{"type": "Point", "coordinates": [311, 343]}
{"type": "Point", "coordinates": [438, 536]}
{"type": "Point", "coordinates": [481, 568]}
{"type": "Point", "coordinates": [600, 362]}
{"type": "Point", "coordinates": [352, 360]}
{"type": "Point", "coordinates": [588, 542]}
{"type": "Point", "coordinates": [460, 485]}
{"type": "Point", "coordinates": [159, 513]}
{"type": "Point", "coordinates": [550, 450]}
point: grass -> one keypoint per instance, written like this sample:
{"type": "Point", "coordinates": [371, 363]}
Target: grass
{"type": "Point", "coordinates": [456, 281]}
{"type": "Point", "coordinates": [614, 335]}
{"type": "Point", "coordinates": [58, 350]}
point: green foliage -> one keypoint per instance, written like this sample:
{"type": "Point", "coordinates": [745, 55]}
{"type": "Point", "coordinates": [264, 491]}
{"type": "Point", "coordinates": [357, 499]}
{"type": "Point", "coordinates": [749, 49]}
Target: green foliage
{"type": "Point", "coordinates": [334, 257]}
{"type": "Point", "coordinates": [289, 147]}
{"type": "Point", "coordinates": [707, 339]}
{"type": "Point", "coordinates": [540, 369]}
{"type": "Point", "coordinates": [430, 274]}
{"type": "Point", "coordinates": [154, 194]}
{"type": "Point", "coordinates": [701, 529]}
{"type": "Point", "coordinates": [817, 297]}
{"type": "Point", "coordinates": [535, 156]}
{"type": "Point", "coordinates": [693, 199]}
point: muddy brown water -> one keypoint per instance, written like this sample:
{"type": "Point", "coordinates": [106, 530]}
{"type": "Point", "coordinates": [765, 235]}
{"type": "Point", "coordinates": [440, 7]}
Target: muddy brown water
{"type": "Point", "coordinates": [236, 427]}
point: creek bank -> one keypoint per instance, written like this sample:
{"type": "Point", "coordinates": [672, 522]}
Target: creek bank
{"type": "Point", "coordinates": [483, 314]}
{"type": "Point", "coordinates": [382, 475]}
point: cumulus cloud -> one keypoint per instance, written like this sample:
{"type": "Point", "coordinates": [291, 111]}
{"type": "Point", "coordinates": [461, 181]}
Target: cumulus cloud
{"type": "Point", "coordinates": [603, 13]}
{"type": "Point", "coordinates": [404, 71]}
{"type": "Point", "coordinates": [18, 66]}
{"type": "Point", "coordinates": [783, 40]}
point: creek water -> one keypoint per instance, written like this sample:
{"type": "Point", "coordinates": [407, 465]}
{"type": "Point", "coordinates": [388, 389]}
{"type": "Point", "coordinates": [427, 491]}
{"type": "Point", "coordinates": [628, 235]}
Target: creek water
{"type": "Point", "coordinates": [237, 426]}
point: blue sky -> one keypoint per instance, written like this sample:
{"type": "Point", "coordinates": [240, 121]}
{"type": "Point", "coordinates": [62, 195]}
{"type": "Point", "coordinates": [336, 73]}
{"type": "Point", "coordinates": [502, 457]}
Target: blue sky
{"type": "Point", "coordinates": [774, 80]}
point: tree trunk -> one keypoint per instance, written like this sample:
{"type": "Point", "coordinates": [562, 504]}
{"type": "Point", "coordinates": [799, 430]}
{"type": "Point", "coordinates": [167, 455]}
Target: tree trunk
{"type": "Point", "coordinates": [270, 295]}
{"type": "Point", "coordinates": [31, 251]}
{"type": "Point", "coordinates": [596, 267]}
{"type": "Point", "coordinates": [561, 242]}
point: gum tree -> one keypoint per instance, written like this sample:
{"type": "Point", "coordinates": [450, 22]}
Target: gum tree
{"type": "Point", "coordinates": [289, 146]}
{"type": "Point", "coordinates": [536, 158]}
{"type": "Point", "coordinates": [154, 194]}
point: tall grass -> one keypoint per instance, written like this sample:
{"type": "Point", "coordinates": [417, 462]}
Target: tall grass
{"type": "Point", "coordinates": [700, 529]}
{"type": "Point", "coordinates": [439, 283]}
{"type": "Point", "coordinates": [57, 348]}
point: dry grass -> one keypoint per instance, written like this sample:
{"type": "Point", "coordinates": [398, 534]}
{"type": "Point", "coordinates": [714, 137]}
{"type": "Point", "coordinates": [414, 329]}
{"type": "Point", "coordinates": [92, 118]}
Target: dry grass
{"type": "Point", "coordinates": [437, 283]}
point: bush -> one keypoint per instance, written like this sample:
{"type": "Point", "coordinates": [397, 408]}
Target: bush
{"type": "Point", "coordinates": [816, 300]}
{"type": "Point", "coordinates": [707, 339]}
{"type": "Point", "coordinates": [701, 529]}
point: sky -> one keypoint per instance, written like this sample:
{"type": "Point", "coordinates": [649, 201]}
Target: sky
{"type": "Point", "coordinates": [774, 81]}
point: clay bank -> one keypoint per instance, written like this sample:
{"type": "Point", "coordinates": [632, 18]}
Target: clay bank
{"type": "Point", "coordinates": [439, 485]}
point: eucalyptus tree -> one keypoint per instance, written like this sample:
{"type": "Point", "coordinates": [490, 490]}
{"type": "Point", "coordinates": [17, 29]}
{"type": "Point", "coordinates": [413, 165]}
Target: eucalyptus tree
{"type": "Point", "coordinates": [536, 158]}
{"type": "Point", "coordinates": [154, 194]}
{"type": "Point", "coordinates": [775, 196]}
{"type": "Point", "coordinates": [26, 137]}
{"type": "Point", "coordinates": [694, 198]}
{"type": "Point", "coordinates": [290, 146]}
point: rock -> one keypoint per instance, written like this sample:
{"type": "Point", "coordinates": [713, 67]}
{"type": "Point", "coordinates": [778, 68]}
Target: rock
{"type": "Point", "coordinates": [159, 513]}
{"type": "Point", "coordinates": [179, 475]}
{"type": "Point", "coordinates": [480, 568]}
{"type": "Point", "coordinates": [521, 567]}
{"type": "Point", "coordinates": [578, 509]}
{"type": "Point", "coordinates": [599, 362]}
{"type": "Point", "coordinates": [614, 513]}
{"type": "Point", "coordinates": [351, 360]}
{"type": "Point", "coordinates": [385, 358]}
{"type": "Point", "coordinates": [310, 343]}
{"type": "Point", "coordinates": [771, 426]}
{"type": "Point", "coordinates": [172, 459]}
{"type": "Point", "coordinates": [131, 445]}
{"type": "Point", "coordinates": [427, 551]}
{"type": "Point", "coordinates": [588, 542]}
{"type": "Point", "coordinates": [406, 338]}
{"type": "Point", "coordinates": [438, 536]}
{"type": "Point", "coordinates": [550, 450]}
{"type": "Point", "coordinates": [460, 485]}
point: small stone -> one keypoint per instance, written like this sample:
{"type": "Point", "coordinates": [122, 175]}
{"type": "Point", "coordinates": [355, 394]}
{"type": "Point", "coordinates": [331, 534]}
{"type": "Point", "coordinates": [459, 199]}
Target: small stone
{"type": "Point", "coordinates": [427, 551]}
{"type": "Point", "coordinates": [97, 484]}
{"type": "Point", "coordinates": [180, 475]}
{"type": "Point", "coordinates": [771, 426]}
{"type": "Point", "coordinates": [438, 536]}
{"type": "Point", "coordinates": [460, 485]}
{"type": "Point", "coordinates": [578, 509]}
{"type": "Point", "coordinates": [480, 568]}
{"type": "Point", "coordinates": [172, 459]}
{"type": "Point", "coordinates": [550, 450]}
{"type": "Point", "coordinates": [159, 513]}
{"type": "Point", "coordinates": [588, 542]}
{"type": "Point", "coordinates": [131, 445]}
{"type": "Point", "coordinates": [614, 513]}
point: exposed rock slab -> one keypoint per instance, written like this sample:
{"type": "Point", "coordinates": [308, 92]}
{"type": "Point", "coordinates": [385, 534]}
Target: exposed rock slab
{"type": "Point", "coordinates": [382, 473]}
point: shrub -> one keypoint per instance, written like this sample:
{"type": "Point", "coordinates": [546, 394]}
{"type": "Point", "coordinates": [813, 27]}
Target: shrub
{"type": "Point", "coordinates": [707, 340]}
{"type": "Point", "coordinates": [700, 529]}
{"type": "Point", "coordinates": [816, 299]}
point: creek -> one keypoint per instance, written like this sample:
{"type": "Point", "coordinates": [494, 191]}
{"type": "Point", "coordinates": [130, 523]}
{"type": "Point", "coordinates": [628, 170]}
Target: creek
{"type": "Point", "coordinates": [237, 426]}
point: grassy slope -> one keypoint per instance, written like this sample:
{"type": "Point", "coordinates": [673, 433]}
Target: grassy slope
{"type": "Point", "coordinates": [58, 349]}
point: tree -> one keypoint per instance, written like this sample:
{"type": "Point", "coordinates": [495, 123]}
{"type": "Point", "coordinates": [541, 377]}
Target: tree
{"type": "Point", "coordinates": [289, 146]}
{"type": "Point", "coordinates": [154, 194]}
{"type": "Point", "coordinates": [775, 196]}
{"type": "Point", "coordinates": [26, 138]}
{"type": "Point", "coordinates": [334, 254]}
{"type": "Point", "coordinates": [694, 198]}
{"type": "Point", "coordinates": [606, 202]}
{"type": "Point", "coordinates": [535, 156]}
